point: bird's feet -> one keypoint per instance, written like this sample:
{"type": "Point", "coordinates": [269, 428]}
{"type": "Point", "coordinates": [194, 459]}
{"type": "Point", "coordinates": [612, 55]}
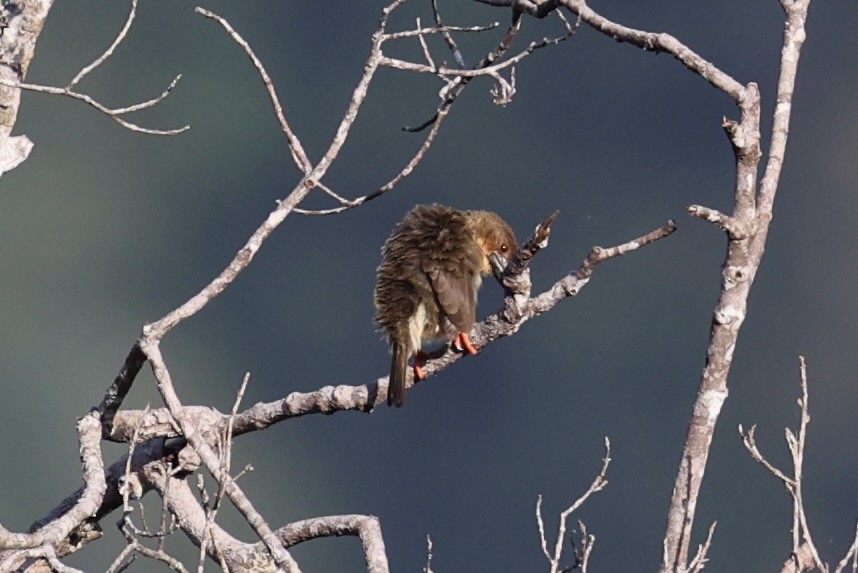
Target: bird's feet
{"type": "Point", "coordinates": [419, 361]}
{"type": "Point", "coordinates": [463, 342]}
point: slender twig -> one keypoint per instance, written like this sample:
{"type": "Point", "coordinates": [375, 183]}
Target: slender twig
{"type": "Point", "coordinates": [225, 465]}
{"type": "Point", "coordinates": [598, 484]}
{"type": "Point", "coordinates": [851, 555]}
{"type": "Point", "coordinates": [299, 156]}
{"type": "Point", "coordinates": [428, 567]}
{"type": "Point", "coordinates": [588, 541]}
{"type": "Point", "coordinates": [113, 113]}
{"type": "Point", "coordinates": [403, 173]}
{"type": "Point", "coordinates": [701, 558]}
{"type": "Point", "coordinates": [109, 51]}
{"type": "Point", "coordinates": [448, 37]}
{"type": "Point", "coordinates": [192, 435]}
{"type": "Point", "coordinates": [245, 255]}
{"type": "Point", "coordinates": [655, 42]}
{"type": "Point", "coordinates": [804, 553]}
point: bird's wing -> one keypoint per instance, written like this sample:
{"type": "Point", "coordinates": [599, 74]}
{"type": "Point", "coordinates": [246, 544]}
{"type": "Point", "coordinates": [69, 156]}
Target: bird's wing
{"type": "Point", "coordinates": [456, 292]}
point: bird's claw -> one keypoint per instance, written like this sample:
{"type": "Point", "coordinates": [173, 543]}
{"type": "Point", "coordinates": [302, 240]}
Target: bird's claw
{"type": "Point", "coordinates": [463, 343]}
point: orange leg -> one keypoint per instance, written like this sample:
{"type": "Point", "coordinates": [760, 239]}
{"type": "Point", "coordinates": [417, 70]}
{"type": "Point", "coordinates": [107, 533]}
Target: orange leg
{"type": "Point", "coordinates": [463, 342]}
{"type": "Point", "coordinates": [419, 361]}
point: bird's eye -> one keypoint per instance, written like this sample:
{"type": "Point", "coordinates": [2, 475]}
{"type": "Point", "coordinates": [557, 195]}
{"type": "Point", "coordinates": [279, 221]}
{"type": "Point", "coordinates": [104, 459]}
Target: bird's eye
{"type": "Point", "coordinates": [504, 248]}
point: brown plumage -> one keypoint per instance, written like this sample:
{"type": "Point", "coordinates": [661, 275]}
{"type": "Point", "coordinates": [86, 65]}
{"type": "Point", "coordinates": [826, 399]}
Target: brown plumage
{"type": "Point", "coordinates": [431, 268]}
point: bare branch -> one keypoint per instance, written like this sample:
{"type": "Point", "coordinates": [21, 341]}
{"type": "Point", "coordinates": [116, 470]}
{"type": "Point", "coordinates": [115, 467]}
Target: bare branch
{"type": "Point", "coordinates": [45, 552]}
{"type": "Point", "coordinates": [284, 207]}
{"type": "Point", "coordinates": [700, 559]}
{"type": "Point", "coordinates": [109, 51]}
{"type": "Point", "coordinates": [45, 535]}
{"type": "Point", "coordinates": [22, 25]}
{"type": "Point", "coordinates": [794, 36]}
{"type": "Point", "coordinates": [192, 435]}
{"type": "Point", "coordinates": [750, 442]}
{"type": "Point", "coordinates": [299, 156]}
{"type": "Point", "coordinates": [367, 527]}
{"type": "Point", "coordinates": [503, 91]}
{"type": "Point", "coordinates": [16, 83]}
{"type": "Point", "coordinates": [428, 567]}
{"type": "Point", "coordinates": [734, 228]}
{"type": "Point", "coordinates": [805, 556]}
{"type": "Point", "coordinates": [225, 465]}
{"type": "Point", "coordinates": [598, 484]}
{"type": "Point", "coordinates": [457, 55]}
{"type": "Point", "coordinates": [851, 555]}
{"type": "Point", "coordinates": [654, 42]}
{"type": "Point", "coordinates": [115, 394]}
{"type": "Point", "coordinates": [330, 399]}
{"type": "Point", "coordinates": [181, 502]}
{"type": "Point", "coordinates": [116, 113]}
{"type": "Point", "coordinates": [403, 173]}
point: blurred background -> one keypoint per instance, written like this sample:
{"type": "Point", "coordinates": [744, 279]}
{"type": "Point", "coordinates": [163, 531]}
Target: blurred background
{"type": "Point", "coordinates": [102, 230]}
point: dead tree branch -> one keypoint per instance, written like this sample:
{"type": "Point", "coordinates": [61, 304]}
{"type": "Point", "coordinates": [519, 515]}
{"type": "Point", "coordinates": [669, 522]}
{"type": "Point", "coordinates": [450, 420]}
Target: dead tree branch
{"type": "Point", "coordinates": [746, 228]}
{"type": "Point", "coordinates": [330, 399]}
{"type": "Point", "coordinates": [553, 558]}
{"type": "Point", "coordinates": [156, 465]}
{"type": "Point", "coordinates": [15, 84]}
{"type": "Point", "coordinates": [804, 556]}
{"type": "Point", "coordinates": [68, 516]}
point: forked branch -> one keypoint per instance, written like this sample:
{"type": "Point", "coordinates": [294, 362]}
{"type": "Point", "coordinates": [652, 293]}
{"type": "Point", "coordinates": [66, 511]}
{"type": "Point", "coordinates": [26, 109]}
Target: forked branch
{"type": "Point", "coordinates": [804, 555]}
{"type": "Point", "coordinates": [580, 559]}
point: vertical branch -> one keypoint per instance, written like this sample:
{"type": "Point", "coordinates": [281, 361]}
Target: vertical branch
{"type": "Point", "coordinates": [747, 230]}
{"type": "Point", "coordinates": [598, 484]}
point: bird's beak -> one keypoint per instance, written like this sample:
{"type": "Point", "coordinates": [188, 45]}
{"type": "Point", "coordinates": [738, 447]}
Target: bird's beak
{"type": "Point", "coordinates": [499, 263]}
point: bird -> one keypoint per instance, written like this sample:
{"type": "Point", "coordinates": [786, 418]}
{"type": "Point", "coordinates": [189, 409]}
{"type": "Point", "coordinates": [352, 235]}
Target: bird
{"type": "Point", "coordinates": [432, 266]}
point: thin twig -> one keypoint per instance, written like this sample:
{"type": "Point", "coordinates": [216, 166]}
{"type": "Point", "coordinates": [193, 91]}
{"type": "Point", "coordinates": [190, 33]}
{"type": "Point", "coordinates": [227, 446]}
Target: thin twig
{"type": "Point", "coordinates": [851, 555]}
{"type": "Point", "coordinates": [598, 484]}
{"type": "Point", "coordinates": [192, 435]}
{"type": "Point", "coordinates": [448, 37]}
{"type": "Point", "coordinates": [802, 540]}
{"type": "Point", "coordinates": [114, 114]}
{"type": "Point", "coordinates": [428, 567]}
{"type": "Point", "coordinates": [700, 559]}
{"type": "Point", "coordinates": [225, 465]}
{"type": "Point", "coordinates": [299, 156]}
{"type": "Point", "coordinates": [109, 51]}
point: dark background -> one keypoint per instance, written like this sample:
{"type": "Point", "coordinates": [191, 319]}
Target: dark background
{"type": "Point", "coordinates": [103, 229]}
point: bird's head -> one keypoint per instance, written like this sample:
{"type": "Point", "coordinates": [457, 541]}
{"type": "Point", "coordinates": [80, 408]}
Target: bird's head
{"type": "Point", "coordinates": [495, 238]}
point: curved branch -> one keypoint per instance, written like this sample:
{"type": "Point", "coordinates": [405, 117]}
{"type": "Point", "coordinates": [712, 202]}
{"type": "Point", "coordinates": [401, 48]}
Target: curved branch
{"type": "Point", "coordinates": [654, 42]}
{"type": "Point", "coordinates": [113, 113]}
{"type": "Point", "coordinates": [299, 156]}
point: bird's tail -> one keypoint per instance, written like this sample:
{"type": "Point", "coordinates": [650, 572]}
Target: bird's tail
{"type": "Point", "coordinates": [398, 374]}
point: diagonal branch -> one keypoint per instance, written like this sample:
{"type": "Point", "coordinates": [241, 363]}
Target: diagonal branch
{"type": "Point", "coordinates": [363, 398]}
{"type": "Point", "coordinates": [655, 42]}
{"type": "Point", "coordinates": [193, 436]}
{"type": "Point", "coordinates": [109, 51]}
{"type": "Point", "coordinates": [330, 399]}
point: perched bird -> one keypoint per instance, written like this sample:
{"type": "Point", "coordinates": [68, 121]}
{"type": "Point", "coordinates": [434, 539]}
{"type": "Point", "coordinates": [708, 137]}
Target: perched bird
{"type": "Point", "coordinates": [426, 289]}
